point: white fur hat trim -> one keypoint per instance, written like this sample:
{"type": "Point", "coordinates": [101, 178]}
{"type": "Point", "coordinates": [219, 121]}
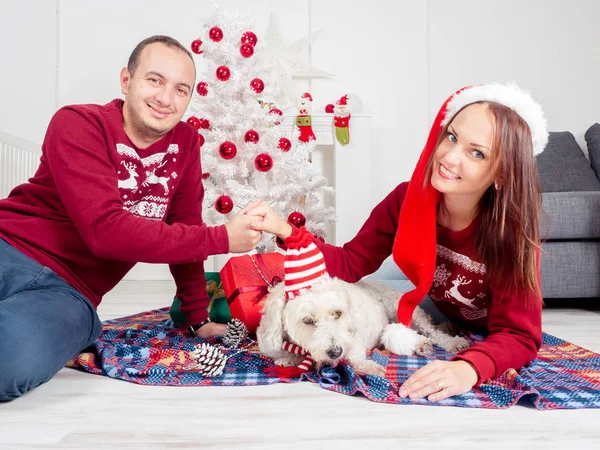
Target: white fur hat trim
{"type": "Point", "coordinates": [509, 95]}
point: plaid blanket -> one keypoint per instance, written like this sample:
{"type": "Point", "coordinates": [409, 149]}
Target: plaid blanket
{"type": "Point", "coordinates": [146, 349]}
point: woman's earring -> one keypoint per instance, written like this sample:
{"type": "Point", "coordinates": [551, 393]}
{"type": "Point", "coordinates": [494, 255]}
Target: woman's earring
{"type": "Point", "coordinates": [496, 186]}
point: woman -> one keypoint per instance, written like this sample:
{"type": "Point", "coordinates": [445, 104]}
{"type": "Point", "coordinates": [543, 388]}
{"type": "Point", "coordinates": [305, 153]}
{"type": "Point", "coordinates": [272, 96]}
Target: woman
{"type": "Point", "coordinates": [464, 230]}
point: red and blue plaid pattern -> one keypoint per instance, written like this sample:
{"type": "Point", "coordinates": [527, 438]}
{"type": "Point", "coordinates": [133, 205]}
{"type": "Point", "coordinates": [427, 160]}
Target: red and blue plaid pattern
{"type": "Point", "coordinates": [146, 349]}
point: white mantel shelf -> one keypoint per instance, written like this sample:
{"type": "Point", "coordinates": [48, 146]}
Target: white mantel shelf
{"type": "Point", "coordinates": [322, 124]}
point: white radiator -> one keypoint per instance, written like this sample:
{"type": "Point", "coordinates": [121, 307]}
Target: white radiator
{"type": "Point", "coordinates": [19, 160]}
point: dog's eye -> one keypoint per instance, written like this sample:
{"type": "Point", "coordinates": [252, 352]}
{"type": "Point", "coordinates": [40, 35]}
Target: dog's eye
{"type": "Point", "coordinates": [308, 321]}
{"type": "Point", "coordinates": [337, 314]}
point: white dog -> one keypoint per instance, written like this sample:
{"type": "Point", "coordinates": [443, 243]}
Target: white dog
{"type": "Point", "coordinates": [337, 320]}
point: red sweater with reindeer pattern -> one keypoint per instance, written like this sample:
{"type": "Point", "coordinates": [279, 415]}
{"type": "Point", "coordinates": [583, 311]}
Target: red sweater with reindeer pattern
{"type": "Point", "coordinates": [461, 289]}
{"type": "Point", "coordinates": [98, 204]}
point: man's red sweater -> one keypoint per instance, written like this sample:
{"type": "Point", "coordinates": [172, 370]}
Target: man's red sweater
{"type": "Point", "coordinates": [98, 204]}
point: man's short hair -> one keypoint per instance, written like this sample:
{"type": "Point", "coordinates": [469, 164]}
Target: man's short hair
{"type": "Point", "coordinates": [134, 58]}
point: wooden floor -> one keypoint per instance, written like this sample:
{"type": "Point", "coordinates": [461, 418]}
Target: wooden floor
{"type": "Point", "coordinates": [78, 410]}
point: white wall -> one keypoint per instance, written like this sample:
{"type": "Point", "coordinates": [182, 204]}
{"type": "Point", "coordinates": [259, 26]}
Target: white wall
{"type": "Point", "coordinates": [27, 67]}
{"type": "Point", "coordinates": [550, 47]}
{"type": "Point", "coordinates": [403, 58]}
{"type": "Point", "coordinates": [378, 50]}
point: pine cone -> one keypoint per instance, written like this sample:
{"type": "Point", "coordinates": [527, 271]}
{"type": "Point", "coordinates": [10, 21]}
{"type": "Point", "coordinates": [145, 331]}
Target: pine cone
{"type": "Point", "coordinates": [209, 360]}
{"type": "Point", "coordinates": [235, 334]}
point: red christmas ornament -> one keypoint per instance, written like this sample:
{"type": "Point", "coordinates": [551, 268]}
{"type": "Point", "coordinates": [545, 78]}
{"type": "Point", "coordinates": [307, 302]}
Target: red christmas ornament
{"type": "Point", "coordinates": [276, 112]}
{"type": "Point", "coordinates": [194, 121]}
{"type": "Point", "coordinates": [263, 162]}
{"type": "Point", "coordinates": [224, 204]}
{"type": "Point", "coordinates": [246, 50]}
{"type": "Point", "coordinates": [257, 85]}
{"type": "Point", "coordinates": [223, 73]}
{"type": "Point", "coordinates": [251, 136]}
{"type": "Point", "coordinates": [202, 88]}
{"type": "Point", "coordinates": [204, 124]}
{"type": "Point", "coordinates": [215, 34]}
{"type": "Point", "coordinates": [205, 175]}
{"type": "Point", "coordinates": [297, 219]}
{"type": "Point", "coordinates": [196, 44]}
{"type": "Point", "coordinates": [329, 108]}
{"type": "Point", "coordinates": [227, 150]}
{"type": "Point", "coordinates": [250, 38]}
{"type": "Point", "coordinates": [201, 139]}
{"type": "Point", "coordinates": [285, 144]}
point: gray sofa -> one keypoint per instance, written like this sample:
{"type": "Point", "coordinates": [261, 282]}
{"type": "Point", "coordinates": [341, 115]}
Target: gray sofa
{"type": "Point", "coordinates": [570, 225]}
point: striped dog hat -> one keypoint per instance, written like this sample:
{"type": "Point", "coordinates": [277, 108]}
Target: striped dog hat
{"type": "Point", "coordinates": [304, 264]}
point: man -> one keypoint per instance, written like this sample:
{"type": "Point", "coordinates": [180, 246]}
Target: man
{"type": "Point", "coordinates": [117, 184]}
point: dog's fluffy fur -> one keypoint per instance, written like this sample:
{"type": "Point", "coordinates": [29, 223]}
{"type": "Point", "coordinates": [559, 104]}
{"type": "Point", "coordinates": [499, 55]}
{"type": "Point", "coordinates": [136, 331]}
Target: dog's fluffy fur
{"type": "Point", "coordinates": [336, 320]}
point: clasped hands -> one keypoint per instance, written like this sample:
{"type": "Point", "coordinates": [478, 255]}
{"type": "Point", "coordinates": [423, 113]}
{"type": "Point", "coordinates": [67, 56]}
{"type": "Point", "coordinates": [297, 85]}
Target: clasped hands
{"type": "Point", "coordinates": [245, 228]}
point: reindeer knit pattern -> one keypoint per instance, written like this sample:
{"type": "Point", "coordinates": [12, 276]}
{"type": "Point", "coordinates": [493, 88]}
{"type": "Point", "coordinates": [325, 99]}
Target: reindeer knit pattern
{"type": "Point", "coordinates": [306, 363]}
{"type": "Point", "coordinates": [145, 191]}
{"type": "Point", "coordinates": [114, 203]}
{"type": "Point", "coordinates": [461, 285]}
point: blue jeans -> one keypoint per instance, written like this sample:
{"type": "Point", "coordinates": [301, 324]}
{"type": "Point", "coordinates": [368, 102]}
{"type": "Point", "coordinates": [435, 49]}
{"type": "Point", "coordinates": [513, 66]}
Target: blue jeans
{"type": "Point", "coordinates": [44, 322]}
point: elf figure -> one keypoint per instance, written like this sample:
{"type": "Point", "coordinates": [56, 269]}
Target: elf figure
{"type": "Point", "coordinates": [341, 120]}
{"type": "Point", "coordinates": [304, 119]}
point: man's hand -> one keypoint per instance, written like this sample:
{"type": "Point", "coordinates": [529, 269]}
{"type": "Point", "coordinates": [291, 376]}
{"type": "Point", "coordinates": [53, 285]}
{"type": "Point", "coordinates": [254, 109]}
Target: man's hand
{"type": "Point", "coordinates": [268, 220]}
{"type": "Point", "coordinates": [242, 238]}
{"type": "Point", "coordinates": [211, 329]}
{"type": "Point", "coordinates": [439, 380]}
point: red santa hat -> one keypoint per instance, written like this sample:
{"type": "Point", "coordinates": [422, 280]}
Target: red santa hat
{"type": "Point", "coordinates": [343, 101]}
{"type": "Point", "coordinates": [308, 96]}
{"type": "Point", "coordinates": [304, 264]}
{"type": "Point", "coordinates": [414, 248]}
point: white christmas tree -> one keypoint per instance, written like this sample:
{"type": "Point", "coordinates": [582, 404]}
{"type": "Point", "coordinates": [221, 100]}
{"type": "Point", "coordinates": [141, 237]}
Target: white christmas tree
{"type": "Point", "coordinates": [247, 154]}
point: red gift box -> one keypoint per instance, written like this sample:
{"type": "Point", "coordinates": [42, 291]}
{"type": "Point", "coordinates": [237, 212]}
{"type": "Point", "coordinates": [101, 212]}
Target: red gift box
{"type": "Point", "coordinates": [246, 280]}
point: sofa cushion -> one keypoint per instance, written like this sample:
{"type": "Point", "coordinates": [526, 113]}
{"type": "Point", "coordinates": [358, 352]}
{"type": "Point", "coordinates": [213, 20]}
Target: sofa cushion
{"type": "Point", "coordinates": [570, 215]}
{"type": "Point", "coordinates": [592, 138]}
{"type": "Point", "coordinates": [570, 269]}
{"type": "Point", "coordinates": [563, 167]}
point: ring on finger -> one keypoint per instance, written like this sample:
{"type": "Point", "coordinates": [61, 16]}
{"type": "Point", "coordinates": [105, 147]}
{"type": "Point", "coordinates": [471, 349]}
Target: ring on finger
{"type": "Point", "coordinates": [440, 385]}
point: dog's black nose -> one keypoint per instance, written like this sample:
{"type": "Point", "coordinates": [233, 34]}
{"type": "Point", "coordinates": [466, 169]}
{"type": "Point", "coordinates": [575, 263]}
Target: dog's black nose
{"type": "Point", "coordinates": [334, 352]}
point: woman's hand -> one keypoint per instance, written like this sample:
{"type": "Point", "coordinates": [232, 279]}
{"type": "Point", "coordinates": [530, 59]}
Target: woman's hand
{"type": "Point", "coordinates": [439, 380]}
{"type": "Point", "coordinates": [211, 329]}
{"type": "Point", "coordinates": [269, 221]}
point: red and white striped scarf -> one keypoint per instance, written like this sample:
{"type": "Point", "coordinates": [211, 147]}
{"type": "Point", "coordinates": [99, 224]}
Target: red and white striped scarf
{"type": "Point", "coordinates": [306, 363]}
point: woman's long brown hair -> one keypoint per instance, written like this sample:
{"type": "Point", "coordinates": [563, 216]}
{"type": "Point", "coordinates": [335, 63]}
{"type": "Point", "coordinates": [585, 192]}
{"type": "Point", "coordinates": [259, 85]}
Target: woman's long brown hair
{"type": "Point", "coordinates": [507, 240]}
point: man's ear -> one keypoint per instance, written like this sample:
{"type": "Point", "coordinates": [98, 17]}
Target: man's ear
{"type": "Point", "coordinates": [124, 78]}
